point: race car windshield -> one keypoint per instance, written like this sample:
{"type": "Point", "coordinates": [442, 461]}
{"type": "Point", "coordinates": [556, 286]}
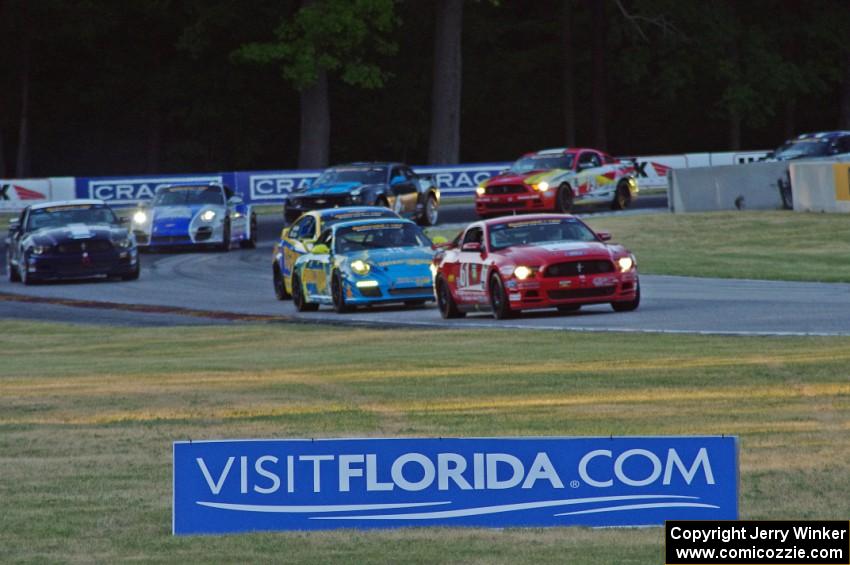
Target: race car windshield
{"type": "Point", "coordinates": [538, 232]}
{"type": "Point", "coordinates": [58, 216]}
{"type": "Point", "coordinates": [526, 164]}
{"type": "Point", "coordinates": [362, 175]}
{"type": "Point", "coordinates": [332, 219]}
{"type": "Point", "coordinates": [379, 236]}
{"type": "Point", "coordinates": [798, 149]}
{"type": "Point", "coordinates": [182, 195]}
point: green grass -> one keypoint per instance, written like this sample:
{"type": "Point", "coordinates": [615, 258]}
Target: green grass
{"type": "Point", "coordinates": [743, 245]}
{"type": "Point", "coordinates": [87, 417]}
{"type": "Point", "coordinates": [752, 245]}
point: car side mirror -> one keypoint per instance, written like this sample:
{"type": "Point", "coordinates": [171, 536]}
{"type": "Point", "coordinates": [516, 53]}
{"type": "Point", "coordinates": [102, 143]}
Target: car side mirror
{"type": "Point", "coordinates": [124, 220]}
{"type": "Point", "coordinates": [473, 246]}
{"type": "Point", "coordinates": [284, 232]}
{"type": "Point", "coordinates": [235, 200]}
{"type": "Point", "coordinates": [397, 180]}
{"type": "Point", "coordinates": [320, 249]}
{"type": "Point", "coordinates": [604, 236]}
{"type": "Point", "coordinates": [14, 225]}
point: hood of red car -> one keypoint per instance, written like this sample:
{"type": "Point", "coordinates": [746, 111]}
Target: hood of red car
{"type": "Point", "coordinates": [560, 251]}
{"type": "Point", "coordinates": [511, 178]}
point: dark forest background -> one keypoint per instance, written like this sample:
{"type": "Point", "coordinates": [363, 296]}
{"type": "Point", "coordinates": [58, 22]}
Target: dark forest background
{"type": "Point", "coordinates": [98, 87]}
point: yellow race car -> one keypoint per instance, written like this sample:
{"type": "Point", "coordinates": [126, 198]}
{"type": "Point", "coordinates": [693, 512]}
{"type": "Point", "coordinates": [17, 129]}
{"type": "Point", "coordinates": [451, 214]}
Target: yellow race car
{"type": "Point", "coordinates": [299, 238]}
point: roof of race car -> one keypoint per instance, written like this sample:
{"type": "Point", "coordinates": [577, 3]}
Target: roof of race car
{"type": "Point", "coordinates": [75, 202]}
{"type": "Point", "coordinates": [559, 151]}
{"type": "Point", "coordinates": [190, 185]}
{"type": "Point", "coordinates": [322, 213]}
{"type": "Point", "coordinates": [371, 221]}
{"type": "Point", "coordinates": [369, 164]}
{"type": "Point", "coordinates": [825, 135]}
{"type": "Point", "coordinates": [525, 218]}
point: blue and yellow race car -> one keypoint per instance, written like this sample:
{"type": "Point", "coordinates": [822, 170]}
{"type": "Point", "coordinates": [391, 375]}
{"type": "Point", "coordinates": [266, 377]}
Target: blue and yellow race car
{"type": "Point", "coordinates": [365, 262]}
{"type": "Point", "coordinates": [299, 238]}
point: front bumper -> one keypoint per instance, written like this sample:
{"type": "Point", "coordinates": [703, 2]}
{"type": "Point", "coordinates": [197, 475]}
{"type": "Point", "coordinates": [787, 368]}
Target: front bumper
{"type": "Point", "coordinates": [531, 201]}
{"type": "Point", "coordinates": [202, 235]}
{"type": "Point", "coordinates": [550, 292]}
{"type": "Point", "coordinates": [420, 289]}
{"type": "Point", "coordinates": [75, 266]}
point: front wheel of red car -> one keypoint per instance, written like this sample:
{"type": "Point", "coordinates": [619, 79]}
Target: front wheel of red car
{"type": "Point", "coordinates": [622, 198]}
{"type": "Point", "coordinates": [445, 301]}
{"type": "Point", "coordinates": [628, 306]}
{"type": "Point", "coordinates": [499, 299]}
{"type": "Point", "coordinates": [565, 199]}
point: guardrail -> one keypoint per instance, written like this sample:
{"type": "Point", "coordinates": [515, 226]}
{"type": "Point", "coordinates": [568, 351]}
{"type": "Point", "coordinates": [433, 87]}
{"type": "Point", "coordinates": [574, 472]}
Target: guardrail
{"type": "Point", "coordinates": [269, 187]}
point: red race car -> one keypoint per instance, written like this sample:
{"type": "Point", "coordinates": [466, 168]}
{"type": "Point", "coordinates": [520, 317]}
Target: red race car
{"type": "Point", "coordinates": [555, 180]}
{"type": "Point", "coordinates": [517, 263]}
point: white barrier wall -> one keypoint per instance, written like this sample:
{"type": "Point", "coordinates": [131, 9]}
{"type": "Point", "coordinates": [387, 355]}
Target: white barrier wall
{"type": "Point", "coordinates": [18, 193]}
{"type": "Point", "coordinates": [753, 186]}
{"type": "Point", "coordinates": [821, 187]}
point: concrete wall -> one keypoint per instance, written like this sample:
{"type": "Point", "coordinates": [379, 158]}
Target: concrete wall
{"type": "Point", "coordinates": [749, 187]}
{"type": "Point", "coordinates": [821, 187]}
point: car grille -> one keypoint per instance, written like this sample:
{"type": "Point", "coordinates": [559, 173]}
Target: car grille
{"type": "Point", "coordinates": [506, 189]}
{"type": "Point", "coordinates": [203, 233]}
{"type": "Point", "coordinates": [324, 201]}
{"type": "Point", "coordinates": [411, 291]}
{"type": "Point", "coordinates": [582, 292]}
{"type": "Point", "coordinates": [505, 205]}
{"type": "Point", "coordinates": [171, 239]}
{"type": "Point", "coordinates": [91, 246]}
{"type": "Point", "coordinates": [370, 292]}
{"type": "Point", "coordinates": [576, 268]}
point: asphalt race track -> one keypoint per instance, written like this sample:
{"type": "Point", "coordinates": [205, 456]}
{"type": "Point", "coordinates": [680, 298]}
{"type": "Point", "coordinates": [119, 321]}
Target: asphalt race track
{"type": "Point", "coordinates": [215, 287]}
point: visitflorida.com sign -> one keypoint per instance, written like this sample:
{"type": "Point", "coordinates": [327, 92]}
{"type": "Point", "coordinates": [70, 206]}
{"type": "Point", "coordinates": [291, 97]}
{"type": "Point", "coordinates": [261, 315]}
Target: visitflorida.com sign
{"type": "Point", "coordinates": [255, 485]}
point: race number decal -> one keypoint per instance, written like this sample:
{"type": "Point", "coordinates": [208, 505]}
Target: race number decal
{"type": "Point", "coordinates": [470, 277]}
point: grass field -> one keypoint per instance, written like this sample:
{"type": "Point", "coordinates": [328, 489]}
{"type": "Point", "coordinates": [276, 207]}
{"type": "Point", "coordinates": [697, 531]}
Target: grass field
{"type": "Point", "coordinates": [87, 417]}
{"type": "Point", "coordinates": [749, 245]}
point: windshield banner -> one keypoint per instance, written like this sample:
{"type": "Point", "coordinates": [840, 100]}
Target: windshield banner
{"type": "Point", "coordinates": [263, 485]}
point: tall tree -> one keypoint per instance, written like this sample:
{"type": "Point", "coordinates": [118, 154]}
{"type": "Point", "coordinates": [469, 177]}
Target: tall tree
{"type": "Point", "coordinates": [343, 37]}
{"type": "Point", "coordinates": [444, 147]}
{"type": "Point", "coordinates": [22, 163]}
{"type": "Point", "coordinates": [598, 81]}
{"type": "Point", "coordinates": [569, 73]}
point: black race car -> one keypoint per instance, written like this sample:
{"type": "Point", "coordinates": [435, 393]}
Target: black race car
{"type": "Point", "coordinates": [392, 185]}
{"type": "Point", "coordinates": [69, 239]}
{"type": "Point", "coordinates": [813, 146]}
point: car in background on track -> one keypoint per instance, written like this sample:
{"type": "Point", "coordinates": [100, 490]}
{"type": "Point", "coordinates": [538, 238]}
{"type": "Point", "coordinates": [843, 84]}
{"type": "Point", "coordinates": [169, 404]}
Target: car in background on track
{"type": "Point", "coordinates": [813, 146]}
{"type": "Point", "coordinates": [72, 239]}
{"type": "Point", "coordinates": [511, 264]}
{"type": "Point", "coordinates": [365, 262]}
{"type": "Point", "coordinates": [195, 215]}
{"type": "Point", "coordinates": [556, 180]}
{"type": "Point", "coordinates": [298, 238]}
{"type": "Point", "coordinates": [390, 185]}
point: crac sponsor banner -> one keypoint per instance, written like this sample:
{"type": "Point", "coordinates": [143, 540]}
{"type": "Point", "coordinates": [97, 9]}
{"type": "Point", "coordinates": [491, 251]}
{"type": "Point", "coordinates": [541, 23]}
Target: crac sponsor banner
{"type": "Point", "coordinates": [272, 186]}
{"type": "Point", "coordinates": [254, 485]}
{"type": "Point", "coordinates": [128, 189]}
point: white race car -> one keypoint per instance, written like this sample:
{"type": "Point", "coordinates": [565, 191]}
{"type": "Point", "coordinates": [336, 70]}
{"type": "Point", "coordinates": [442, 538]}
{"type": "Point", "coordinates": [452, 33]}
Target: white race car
{"type": "Point", "coordinates": [189, 215]}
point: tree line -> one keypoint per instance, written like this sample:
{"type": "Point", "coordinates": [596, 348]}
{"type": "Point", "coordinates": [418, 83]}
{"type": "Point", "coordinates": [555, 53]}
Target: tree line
{"type": "Point", "coordinates": [146, 86]}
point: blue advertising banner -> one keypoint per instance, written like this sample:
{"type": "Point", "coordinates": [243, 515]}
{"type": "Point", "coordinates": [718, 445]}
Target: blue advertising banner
{"type": "Point", "coordinates": [260, 485]}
